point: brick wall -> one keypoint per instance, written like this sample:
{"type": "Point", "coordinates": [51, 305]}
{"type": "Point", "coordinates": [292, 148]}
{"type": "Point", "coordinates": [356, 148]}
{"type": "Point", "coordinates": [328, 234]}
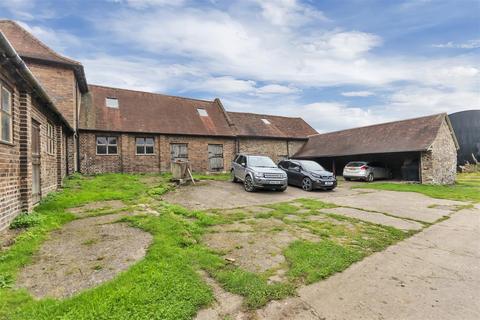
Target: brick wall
{"type": "Point", "coordinates": [61, 86]}
{"type": "Point", "coordinates": [439, 165]}
{"type": "Point", "coordinates": [10, 197]}
{"type": "Point", "coordinates": [276, 149]}
{"type": "Point", "coordinates": [129, 162]}
{"type": "Point", "coordinates": [15, 157]}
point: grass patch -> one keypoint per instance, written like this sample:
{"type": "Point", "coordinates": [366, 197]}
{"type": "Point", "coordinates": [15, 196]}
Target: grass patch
{"type": "Point", "coordinates": [316, 261]}
{"type": "Point", "coordinates": [211, 176]}
{"type": "Point", "coordinates": [466, 188]}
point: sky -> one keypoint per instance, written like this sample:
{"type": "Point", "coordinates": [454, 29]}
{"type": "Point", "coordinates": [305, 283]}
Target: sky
{"type": "Point", "coordinates": [336, 63]}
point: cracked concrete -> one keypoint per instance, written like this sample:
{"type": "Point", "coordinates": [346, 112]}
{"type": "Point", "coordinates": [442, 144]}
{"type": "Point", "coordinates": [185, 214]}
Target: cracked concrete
{"type": "Point", "coordinates": [432, 275]}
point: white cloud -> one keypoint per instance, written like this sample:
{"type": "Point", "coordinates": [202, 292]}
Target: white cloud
{"type": "Point", "coordinates": [277, 89]}
{"type": "Point", "coordinates": [143, 4]}
{"type": "Point", "coordinates": [289, 12]}
{"type": "Point", "coordinates": [470, 44]}
{"type": "Point", "coordinates": [58, 40]}
{"type": "Point", "coordinates": [357, 94]}
{"type": "Point", "coordinates": [225, 84]}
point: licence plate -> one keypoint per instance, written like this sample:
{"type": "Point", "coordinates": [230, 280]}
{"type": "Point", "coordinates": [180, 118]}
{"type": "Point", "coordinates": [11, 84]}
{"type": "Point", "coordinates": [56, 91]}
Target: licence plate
{"type": "Point", "coordinates": [274, 182]}
{"type": "Point", "coordinates": [329, 183]}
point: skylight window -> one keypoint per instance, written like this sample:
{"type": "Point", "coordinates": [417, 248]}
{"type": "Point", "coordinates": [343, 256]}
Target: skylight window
{"type": "Point", "coordinates": [111, 102]}
{"type": "Point", "coordinates": [266, 121]}
{"type": "Point", "coordinates": [202, 112]}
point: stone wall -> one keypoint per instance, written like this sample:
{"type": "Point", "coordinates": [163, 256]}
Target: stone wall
{"type": "Point", "coordinates": [439, 164]}
{"type": "Point", "coordinates": [127, 161]}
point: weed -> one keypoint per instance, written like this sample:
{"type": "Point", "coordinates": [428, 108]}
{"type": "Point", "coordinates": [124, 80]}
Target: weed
{"type": "Point", "coordinates": [25, 220]}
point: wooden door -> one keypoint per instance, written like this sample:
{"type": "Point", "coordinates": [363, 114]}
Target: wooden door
{"type": "Point", "coordinates": [215, 157]}
{"type": "Point", "coordinates": [36, 183]}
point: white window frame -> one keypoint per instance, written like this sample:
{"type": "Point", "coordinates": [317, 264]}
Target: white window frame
{"type": "Point", "coordinates": [4, 113]}
{"type": "Point", "coordinates": [107, 144]}
{"type": "Point", "coordinates": [145, 145]}
{"type": "Point", "coordinates": [50, 139]}
{"type": "Point", "coordinates": [202, 112]}
{"type": "Point", "coordinates": [109, 101]}
{"type": "Point", "coordinates": [266, 121]}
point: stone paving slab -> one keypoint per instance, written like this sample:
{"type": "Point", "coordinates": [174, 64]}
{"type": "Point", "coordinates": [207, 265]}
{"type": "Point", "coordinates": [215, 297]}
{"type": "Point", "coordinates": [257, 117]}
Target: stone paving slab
{"type": "Point", "coordinates": [376, 217]}
{"type": "Point", "coordinates": [434, 275]}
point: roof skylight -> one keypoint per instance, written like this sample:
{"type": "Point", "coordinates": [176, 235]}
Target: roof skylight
{"type": "Point", "coordinates": [111, 102]}
{"type": "Point", "coordinates": [202, 112]}
{"type": "Point", "coordinates": [266, 121]}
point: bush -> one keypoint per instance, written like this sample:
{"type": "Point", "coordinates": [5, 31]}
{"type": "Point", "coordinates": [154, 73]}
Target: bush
{"type": "Point", "coordinates": [25, 220]}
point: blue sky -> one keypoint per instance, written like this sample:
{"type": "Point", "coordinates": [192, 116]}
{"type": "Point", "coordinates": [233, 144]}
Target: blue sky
{"type": "Point", "coordinates": [336, 63]}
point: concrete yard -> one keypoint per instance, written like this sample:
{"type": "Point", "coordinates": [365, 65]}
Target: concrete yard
{"type": "Point", "coordinates": [434, 274]}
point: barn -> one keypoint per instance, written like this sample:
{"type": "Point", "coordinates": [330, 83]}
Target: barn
{"type": "Point", "coordinates": [422, 149]}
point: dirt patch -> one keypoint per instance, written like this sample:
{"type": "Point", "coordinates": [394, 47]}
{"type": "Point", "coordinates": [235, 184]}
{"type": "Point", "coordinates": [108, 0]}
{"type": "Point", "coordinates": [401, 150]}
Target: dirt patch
{"type": "Point", "coordinates": [7, 238]}
{"type": "Point", "coordinates": [83, 211]}
{"type": "Point", "coordinates": [226, 306]}
{"type": "Point", "coordinates": [82, 255]}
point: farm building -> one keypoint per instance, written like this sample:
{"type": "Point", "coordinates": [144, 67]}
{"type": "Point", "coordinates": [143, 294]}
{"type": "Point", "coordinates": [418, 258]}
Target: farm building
{"type": "Point", "coordinates": [466, 125]}
{"type": "Point", "coordinates": [133, 131]}
{"type": "Point", "coordinates": [422, 149]}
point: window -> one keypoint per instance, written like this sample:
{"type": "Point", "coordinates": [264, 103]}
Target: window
{"type": "Point", "coordinates": [6, 115]}
{"type": "Point", "coordinates": [294, 167]}
{"type": "Point", "coordinates": [283, 164]}
{"type": "Point", "coordinates": [106, 145]}
{"type": "Point", "coordinates": [241, 159]}
{"type": "Point", "coordinates": [179, 151]}
{"type": "Point", "coordinates": [111, 102]}
{"type": "Point", "coordinates": [202, 112]}
{"type": "Point", "coordinates": [145, 145]}
{"type": "Point", "coordinates": [266, 121]}
{"type": "Point", "coordinates": [50, 139]}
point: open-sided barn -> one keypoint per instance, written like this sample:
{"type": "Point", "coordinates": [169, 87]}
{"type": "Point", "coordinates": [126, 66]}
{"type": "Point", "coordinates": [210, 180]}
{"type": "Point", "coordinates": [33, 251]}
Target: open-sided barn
{"type": "Point", "coordinates": [422, 149]}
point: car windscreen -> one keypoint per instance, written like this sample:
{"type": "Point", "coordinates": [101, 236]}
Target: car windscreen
{"type": "Point", "coordinates": [311, 166]}
{"type": "Point", "coordinates": [355, 164]}
{"type": "Point", "coordinates": [258, 161]}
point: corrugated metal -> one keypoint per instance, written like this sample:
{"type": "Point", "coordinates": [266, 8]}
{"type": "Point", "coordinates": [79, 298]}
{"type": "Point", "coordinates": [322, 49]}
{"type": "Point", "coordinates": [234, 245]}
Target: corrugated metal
{"type": "Point", "coordinates": [466, 125]}
{"type": "Point", "coordinates": [400, 136]}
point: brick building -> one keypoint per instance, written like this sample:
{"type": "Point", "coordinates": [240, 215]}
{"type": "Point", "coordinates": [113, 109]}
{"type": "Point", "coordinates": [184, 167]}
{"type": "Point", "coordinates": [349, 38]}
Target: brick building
{"type": "Point", "coordinates": [132, 131]}
{"type": "Point", "coordinates": [33, 137]}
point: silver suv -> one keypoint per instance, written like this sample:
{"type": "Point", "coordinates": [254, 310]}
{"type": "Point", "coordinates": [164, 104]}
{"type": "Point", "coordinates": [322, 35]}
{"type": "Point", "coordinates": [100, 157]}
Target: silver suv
{"type": "Point", "coordinates": [258, 172]}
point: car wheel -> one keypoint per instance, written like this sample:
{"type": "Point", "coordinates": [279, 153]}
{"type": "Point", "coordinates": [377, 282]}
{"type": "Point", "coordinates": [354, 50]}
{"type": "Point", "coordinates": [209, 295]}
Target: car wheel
{"type": "Point", "coordinates": [282, 189]}
{"type": "Point", "coordinates": [248, 184]}
{"type": "Point", "coordinates": [370, 177]}
{"type": "Point", "coordinates": [307, 184]}
{"type": "Point", "coordinates": [232, 177]}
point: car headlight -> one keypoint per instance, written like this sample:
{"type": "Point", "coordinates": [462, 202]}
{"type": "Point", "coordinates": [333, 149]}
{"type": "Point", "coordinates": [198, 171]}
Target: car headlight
{"type": "Point", "coordinates": [258, 175]}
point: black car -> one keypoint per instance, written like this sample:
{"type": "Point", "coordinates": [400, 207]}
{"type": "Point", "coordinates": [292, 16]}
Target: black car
{"type": "Point", "coordinates": [308, 175]}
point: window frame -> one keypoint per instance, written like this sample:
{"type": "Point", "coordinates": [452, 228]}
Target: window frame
{"type": "Point", "coordinates": [106, 145]}
{"type": "Point", "coordinates": [112, 99]}
{"type": "Point", "coordinates": [202, 112]}
{"type": "Point", "coordinates": [145, 145]}
{"type": "Point", "coordinates": [50, 139]}
{"type": "Point", "coordinates": [9, 114]}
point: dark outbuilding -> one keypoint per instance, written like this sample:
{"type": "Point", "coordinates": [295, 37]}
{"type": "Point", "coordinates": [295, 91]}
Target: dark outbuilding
{"type": "Point", "coordinates": [422, 149]}
{"type": "Point", "coordinates": [466, 125]}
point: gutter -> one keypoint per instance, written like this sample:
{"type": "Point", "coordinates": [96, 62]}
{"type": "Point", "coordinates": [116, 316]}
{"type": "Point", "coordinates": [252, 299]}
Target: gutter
{"type": "Point", "coordinates": [13, 56]}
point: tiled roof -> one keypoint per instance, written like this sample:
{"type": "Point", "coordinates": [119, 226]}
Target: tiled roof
{"type": "Point", "coordinates": [29, 47]}
{"type": "Point", "coordinates": [268, 126]}
{"type": "Point", "coordinates": [400, 136]}
{"type": "Point", "coordinates": [145, 112]}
